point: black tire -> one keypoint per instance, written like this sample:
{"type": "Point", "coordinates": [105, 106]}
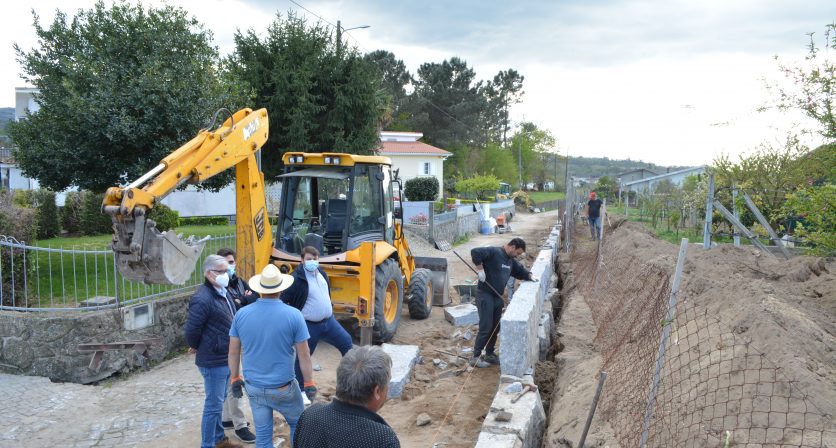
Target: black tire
{"type": "Point", "coordinates": [420, 294]}
{"type": "Point", "coordinates": [387, 276]}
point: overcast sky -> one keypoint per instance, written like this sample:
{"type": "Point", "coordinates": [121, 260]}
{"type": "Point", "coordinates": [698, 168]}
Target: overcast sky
{"type": "Point", "coordinates": [673, 82]}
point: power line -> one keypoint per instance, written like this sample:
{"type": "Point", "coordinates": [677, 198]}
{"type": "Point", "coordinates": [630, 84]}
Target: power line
{"type": "Point", "coordinates": [330, 23]}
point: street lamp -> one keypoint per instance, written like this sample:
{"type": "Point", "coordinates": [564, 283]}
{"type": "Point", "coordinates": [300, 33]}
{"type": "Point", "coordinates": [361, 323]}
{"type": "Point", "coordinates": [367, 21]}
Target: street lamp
{"type": "Point", "coordinates": [340, 30]}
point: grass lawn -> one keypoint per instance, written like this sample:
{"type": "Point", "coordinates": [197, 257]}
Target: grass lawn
{"type": "Point", "coordinates": [542, 196]}
{"type": "Point", "coordinates": [63, 279]}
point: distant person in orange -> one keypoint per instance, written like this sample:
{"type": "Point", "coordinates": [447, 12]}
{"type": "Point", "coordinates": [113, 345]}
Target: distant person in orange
{"type": "Point", "coordinates": [593, 213]}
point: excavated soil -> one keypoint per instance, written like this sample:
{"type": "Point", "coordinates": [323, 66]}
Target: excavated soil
{"type": "Point", "coordinates": [786, 310]}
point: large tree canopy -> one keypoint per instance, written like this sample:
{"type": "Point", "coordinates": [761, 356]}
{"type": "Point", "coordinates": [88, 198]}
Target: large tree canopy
{"type": "Point", "coordinates": [318, 100]}
{"type": "Point", "coordinates": [120, 87]}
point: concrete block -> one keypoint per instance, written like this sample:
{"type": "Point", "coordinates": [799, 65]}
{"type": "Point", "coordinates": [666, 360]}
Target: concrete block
{"type": "Point", "coordinates": [489, 440]}
{"type": "Point", "coordinates": [462, 315]}
{"type": "Point", "coordinates": [544, 334]}
{"type": "Point", "coordinates": [527, 423]}
{"type": "Point", "coordinates": [404, 358]}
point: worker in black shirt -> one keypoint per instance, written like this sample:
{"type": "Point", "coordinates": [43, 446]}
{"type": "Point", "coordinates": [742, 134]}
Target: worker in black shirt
{"type": "Point", "coordinates": [593, 213]}
{"type": "Point", "coordinates": [494, 266]}
{"type": "Point", "coordinates": [351, 419]}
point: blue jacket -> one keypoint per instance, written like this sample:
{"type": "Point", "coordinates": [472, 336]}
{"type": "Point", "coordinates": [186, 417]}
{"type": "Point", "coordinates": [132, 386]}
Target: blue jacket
{"type": "Point", "coordinates": [207, 327]}
{"type": "Point", "coordinates": [297, 295]}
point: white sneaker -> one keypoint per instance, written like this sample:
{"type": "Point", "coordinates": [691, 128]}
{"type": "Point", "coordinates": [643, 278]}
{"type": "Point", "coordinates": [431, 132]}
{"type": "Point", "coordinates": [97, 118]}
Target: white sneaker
{"type": "Point", "coordinates": [305, 400]}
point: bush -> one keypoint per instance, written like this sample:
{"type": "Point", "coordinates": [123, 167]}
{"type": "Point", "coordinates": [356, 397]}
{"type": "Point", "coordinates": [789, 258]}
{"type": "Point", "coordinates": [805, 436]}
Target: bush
{"type": "Point", "coordinates": [421, 189]}
{"type": "Point", "coordinates": [46, 211]}
{"type": "Point", "coordinates": [205, 221]}
{"type": "Point", "coordinates": [478, 185]}
{"type": "Point", "coordinates": [71, 213]}
{"type": "Point", "coordinates": [165, 217]}
{"type": "Point", "coordinates": [19, 223]}
{"type": "Point", "coordinates": [93, 221]}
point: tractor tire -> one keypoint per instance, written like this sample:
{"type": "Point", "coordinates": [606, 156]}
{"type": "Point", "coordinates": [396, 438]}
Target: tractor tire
{"type": "Point", "coordinates": [420, 294]}
{"type": "Point", "coordinates": [388, 301]}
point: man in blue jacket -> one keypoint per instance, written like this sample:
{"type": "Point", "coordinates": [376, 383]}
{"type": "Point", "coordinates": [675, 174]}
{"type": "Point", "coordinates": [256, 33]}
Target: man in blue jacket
{"type": "Point", "coordinates": [310, 293]}
{"type": "Point", "coordinates": [494, 266]}
{"type": "Point", "coordinates": [207, 335]}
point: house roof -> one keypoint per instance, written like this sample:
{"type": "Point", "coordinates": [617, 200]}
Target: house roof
{"type": "Point", "coordinates": [662, 176]}
{"type": "Point", "coordinates": [411, 148]}
{"type": "Point", "coordinates": [636, 171]}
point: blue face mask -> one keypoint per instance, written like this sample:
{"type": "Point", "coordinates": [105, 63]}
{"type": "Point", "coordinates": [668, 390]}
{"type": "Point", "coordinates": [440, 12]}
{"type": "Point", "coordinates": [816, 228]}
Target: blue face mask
{"type": "Point", "coordinates": [231, 270]}
{"type": "Point", "coordinates": [311, 265]}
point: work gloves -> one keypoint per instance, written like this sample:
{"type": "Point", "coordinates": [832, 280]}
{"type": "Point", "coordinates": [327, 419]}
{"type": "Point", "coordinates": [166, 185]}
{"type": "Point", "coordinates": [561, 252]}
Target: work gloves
{"type": "Point", "coordinates": [481, 275]}
{"type": "Point", "coordinates": [237, 386]}
{"type": "Point", "coordinates": [310, 390]}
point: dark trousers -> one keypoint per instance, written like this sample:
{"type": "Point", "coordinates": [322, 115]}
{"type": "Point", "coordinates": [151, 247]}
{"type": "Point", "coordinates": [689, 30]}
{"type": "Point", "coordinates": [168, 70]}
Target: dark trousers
{"type": "Point", "coordinates": [490, 312]}
{"type": "Point", "coordinates": [329, 331]}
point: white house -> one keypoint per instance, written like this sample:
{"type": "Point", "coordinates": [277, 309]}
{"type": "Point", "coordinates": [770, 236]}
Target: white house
{"type": "Point", "coordinates": [413, 158]}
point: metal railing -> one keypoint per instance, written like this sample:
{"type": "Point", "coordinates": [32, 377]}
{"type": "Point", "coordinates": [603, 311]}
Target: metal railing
{"type": "Point", "coordinates": [37, 278]}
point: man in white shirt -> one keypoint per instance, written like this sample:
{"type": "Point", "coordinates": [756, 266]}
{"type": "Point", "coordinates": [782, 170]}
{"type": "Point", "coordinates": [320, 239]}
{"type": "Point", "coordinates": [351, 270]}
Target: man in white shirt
{"type": "Point", "coordinates": [310, 293]}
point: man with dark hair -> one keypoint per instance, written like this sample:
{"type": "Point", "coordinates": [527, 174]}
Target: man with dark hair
{"type": "Point", "coordinates": [494, 266]}
{"type": "Point", "coordinates": [593, 213]}
{"type": "Point", "coordinates": [238, 290]}
{"type": "Point", "coordinates": [310, 294]}
{"type": "Point", "coordinates": [241, 295]}
{"type": "Point", "coordinates": [351, 420]}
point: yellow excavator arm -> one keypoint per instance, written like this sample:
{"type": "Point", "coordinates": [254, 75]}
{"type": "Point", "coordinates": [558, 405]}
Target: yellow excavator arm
{"type": "Point", "coordinates": [144, 254]}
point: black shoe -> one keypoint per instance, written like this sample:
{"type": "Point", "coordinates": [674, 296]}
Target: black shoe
{"type": "Point", "coordinates": [228, 425]}
{"type": "Point", "coordinates": [245, 435]}
{"type": "Point", "coordinates": [491, 358]}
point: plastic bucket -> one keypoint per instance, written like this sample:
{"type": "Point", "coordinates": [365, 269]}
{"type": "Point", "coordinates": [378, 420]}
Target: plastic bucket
{"type": "Point", "coordinates": [485, 227]}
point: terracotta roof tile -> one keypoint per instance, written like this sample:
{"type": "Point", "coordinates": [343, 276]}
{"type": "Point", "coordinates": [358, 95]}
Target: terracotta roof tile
{"type": "Point", "coordinates": [411, 148]}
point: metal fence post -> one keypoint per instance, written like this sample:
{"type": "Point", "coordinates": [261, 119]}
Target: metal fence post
{"type": "Point", "coordinates": [709, 212]}
{"type": "Point", "coordinates": [666, 332]}
{"type": "Point", "coordinates": [736, 214]}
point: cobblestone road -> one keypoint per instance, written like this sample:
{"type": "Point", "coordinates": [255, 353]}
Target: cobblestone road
{"type": "Point", "coordinates": [134, 412]}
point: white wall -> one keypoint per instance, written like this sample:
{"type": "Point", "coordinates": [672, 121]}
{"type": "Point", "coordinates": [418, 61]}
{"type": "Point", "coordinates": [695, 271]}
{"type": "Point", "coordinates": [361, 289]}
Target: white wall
{"type": "Point", "coordinates": [25, 102]}
{"type": "Point", "coordinates": [410, 167]}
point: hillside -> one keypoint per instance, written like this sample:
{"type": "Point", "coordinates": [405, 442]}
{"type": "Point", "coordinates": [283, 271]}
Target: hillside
{"type": "Point", "coordinates": [604, 166]}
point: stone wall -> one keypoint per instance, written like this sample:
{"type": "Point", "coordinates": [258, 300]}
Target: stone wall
{"type": "Point", "coordinates": [45, 343]}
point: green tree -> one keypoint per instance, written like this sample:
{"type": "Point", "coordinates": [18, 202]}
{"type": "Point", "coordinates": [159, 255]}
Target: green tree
{"type": "Point", "coordinates": [606, 188]}
{"type": "Point", "coordinates": [815, 208]}
{"type": "Point", "coordinates": [534, 145]}
{"type": "Point", "coordinates": [448, 105]}
{"type": "Point", "coordinates": [318, 100]}
{"type": "Point", "coordinates": [394, 78]}
{"type": "Point", "coordinates": [47, 214]}
{"type": "Point", "coordinates": [505, 90]}
{"type": "Point", "coordinates": [813, 86]}
{"type": "Point", "coordinates": [481, 186]}
{"type": "Point", "coordinates": [120, 87]}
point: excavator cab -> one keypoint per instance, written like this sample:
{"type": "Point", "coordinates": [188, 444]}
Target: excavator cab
{"type": "Point", "coordinates": [343, 205]}
{"type": "Point", "coordinates": [334, 208]}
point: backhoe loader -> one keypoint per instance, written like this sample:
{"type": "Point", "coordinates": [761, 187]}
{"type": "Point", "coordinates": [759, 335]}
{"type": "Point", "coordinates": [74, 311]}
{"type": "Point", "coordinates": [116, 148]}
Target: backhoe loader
{"type": "Point", "coordinates": [342, 204]}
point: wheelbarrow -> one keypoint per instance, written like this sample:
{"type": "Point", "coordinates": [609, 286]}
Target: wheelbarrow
{"type": "Point", "coordinates": [467, 290]}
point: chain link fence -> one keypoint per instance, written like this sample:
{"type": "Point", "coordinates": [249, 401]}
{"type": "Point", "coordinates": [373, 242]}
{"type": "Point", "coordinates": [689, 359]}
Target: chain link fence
{"type": "Point", "coordinates": [699, 385]}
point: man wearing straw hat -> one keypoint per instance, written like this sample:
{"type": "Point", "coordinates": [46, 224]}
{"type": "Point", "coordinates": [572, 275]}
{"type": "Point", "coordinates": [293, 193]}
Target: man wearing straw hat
{"type": "Point", "coordinates": [269, 330]}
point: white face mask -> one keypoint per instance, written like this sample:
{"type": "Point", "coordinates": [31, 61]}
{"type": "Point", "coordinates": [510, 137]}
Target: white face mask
{"type": "Point", "coordinates": [222, 280]}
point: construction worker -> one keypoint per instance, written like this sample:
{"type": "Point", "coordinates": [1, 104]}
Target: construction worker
{"type": "Point", "coordinates": [593, 213]}
{"type": "Point", "coordinates": [494, 266]}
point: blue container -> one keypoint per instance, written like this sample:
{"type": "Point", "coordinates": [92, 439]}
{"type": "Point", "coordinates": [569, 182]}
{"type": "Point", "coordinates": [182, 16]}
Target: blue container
{"type": "Point", "coordinates": [485, 227]}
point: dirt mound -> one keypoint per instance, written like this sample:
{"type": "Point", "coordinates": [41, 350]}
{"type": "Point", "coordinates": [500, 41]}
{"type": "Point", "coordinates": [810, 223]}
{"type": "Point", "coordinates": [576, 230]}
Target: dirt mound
{"type": "Point", "coordinates": [786, 309]}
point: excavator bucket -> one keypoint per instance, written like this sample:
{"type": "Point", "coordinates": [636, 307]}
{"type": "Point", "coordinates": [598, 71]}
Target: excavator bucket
{"type": "Point", "coordinates": [144, 254]}
{"type": "Point", "coordinates": [440, 278]}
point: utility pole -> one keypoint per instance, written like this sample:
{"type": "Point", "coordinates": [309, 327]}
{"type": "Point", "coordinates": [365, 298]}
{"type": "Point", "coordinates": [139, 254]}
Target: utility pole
{"type": "Point", "coordinates": [519, 159]}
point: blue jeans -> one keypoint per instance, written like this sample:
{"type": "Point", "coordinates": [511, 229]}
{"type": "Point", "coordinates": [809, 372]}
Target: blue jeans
{"type": "Point", "coordinates": [329, 331]}
{"type": "Point", "coordinates": [215, 380]}
{"type": "Point", "coordinates": [286, 401]}
{"type": "Point", "coordinates": [595, 227]}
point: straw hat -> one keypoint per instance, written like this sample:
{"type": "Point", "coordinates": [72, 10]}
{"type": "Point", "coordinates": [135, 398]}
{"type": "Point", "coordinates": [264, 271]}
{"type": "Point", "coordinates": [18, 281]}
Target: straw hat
{"type": "Point", "coordinates": [270, 281]}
